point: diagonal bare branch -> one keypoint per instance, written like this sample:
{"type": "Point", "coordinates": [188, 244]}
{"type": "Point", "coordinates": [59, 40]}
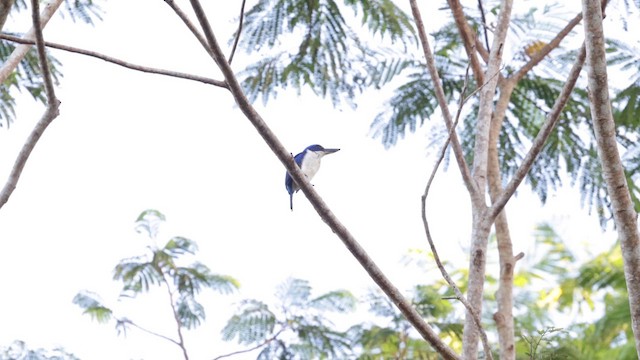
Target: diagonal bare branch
{"type": "Point", "coordinates": [11, 183]}
{"type": "Point", "coordinates": [119, 62]}
{"type": "Point", "coordinates": [542, 53]}
{"type": "Point", "coordinates": [425, 330]}
{"type": "Point", "coordinates": [191, 26]}
{"type": "Point", "coordinates": [541, 138]}
{"type": "Point", "coordinates": [442, 101]}
{"type": "Point", "coordinates": [238, 32]}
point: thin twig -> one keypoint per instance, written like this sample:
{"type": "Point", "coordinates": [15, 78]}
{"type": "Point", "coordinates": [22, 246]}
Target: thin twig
{"type": "Point", "coordinates": [119, 62]}
{"type": "Point", "coordinates": [443, 271]}
{"type": "Point", "coordinates": [239, 31]}
{"type": "Point", "coordinates": [376, 274]}
{"type": "Point", "coordinates": [484, 25]}
{"type": "Point", "coordinates": [176, 317]}
{"type": "Point", "coordinates": [442, 101]}
{"type": "Point", "coordinates": [266, 342]}
{"type": "Point", "coordinates": [42, 55]}
{"type": "Point", "coordinates": [150, 332]}
{"type": "Point", "coordinates": [191, 26]}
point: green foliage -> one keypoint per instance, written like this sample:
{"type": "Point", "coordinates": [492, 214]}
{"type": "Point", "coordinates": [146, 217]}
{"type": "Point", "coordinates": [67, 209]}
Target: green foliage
{"type": "Point", "coordinates": [28, 75]}
{"type": "Point", "coordinates": [548, 290]}
{"type": "Point", "coordinates": [18, 350]}
{"type": "Point", "coordinates": [310, 44]}
{"type": "Point", "coordinates": [412, 103]}
{"type": "Point", "coordinates": [391, 336]}
{"type": "Point", "coordinates": [161, 266]}
{"type": "Point", "coordinates": [93, 306]}
{"type": "Point", "coordinates": [297, 327]}
{"type": "Point", "coordinates": [328, 56]}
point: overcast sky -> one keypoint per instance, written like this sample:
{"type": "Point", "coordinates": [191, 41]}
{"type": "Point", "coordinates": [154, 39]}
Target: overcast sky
{"type": "Point", "coordinates": [127, 141]}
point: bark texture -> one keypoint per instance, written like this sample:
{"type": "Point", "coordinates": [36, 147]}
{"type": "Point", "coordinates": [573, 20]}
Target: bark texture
{"type": "Point", "coordinates": [624, 215]}
{"type": "Point", "coordinates": [481, 223]}
{"type": "Point", "coordinates": [5, 8]}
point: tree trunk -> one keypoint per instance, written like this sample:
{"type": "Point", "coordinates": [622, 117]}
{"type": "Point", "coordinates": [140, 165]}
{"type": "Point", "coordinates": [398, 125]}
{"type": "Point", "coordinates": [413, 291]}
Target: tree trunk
{"type": "Point", "coordinates": [504, 297]}
{"type": "Point", "coordinates": [624, 215]}
{"type": "Point", "coordinates": [481, 224]}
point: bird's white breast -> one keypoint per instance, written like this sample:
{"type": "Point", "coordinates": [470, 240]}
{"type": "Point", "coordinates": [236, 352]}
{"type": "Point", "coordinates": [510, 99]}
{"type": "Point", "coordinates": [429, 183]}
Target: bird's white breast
{"type": "Point", "coordinates": [311, 163]}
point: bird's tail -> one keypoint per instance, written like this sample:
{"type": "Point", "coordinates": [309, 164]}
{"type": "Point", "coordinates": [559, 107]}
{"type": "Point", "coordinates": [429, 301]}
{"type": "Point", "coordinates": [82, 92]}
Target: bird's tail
{"type": "Point", "coordinates": [291, 201]}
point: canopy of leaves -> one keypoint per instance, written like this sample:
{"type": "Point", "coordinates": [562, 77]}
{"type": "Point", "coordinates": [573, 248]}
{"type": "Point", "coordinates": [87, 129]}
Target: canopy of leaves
{"type": "Point", "coordinates": [312, 44]}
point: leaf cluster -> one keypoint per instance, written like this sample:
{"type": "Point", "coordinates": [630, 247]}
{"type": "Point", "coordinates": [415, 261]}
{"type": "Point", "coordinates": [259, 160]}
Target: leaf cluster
{"type": "Point", "coordinates": [28, 74]}
{"type": "Point", "coordinates": [18, 350]}
{"type": "Point", "coordinates": [26, 77]}
{"type": "Point", "coordinates": [391, 336]}
{"type": "Point", "coordinates": [298, 327]}
{"type": "Point", "coordinates": [161, 267]}
{"type": "Point", "coordinates": [312, 44]}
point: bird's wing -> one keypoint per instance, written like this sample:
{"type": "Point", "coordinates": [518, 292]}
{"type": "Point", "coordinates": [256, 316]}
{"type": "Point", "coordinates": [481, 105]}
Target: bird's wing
{"type": "Point", "coordinates": [298, 158]}
{"type": "Point", "coordinates": [288, 180]}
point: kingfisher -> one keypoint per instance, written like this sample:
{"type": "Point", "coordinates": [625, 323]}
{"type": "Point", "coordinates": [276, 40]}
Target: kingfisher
{"type": "Point", "coordinates": [309, 162]}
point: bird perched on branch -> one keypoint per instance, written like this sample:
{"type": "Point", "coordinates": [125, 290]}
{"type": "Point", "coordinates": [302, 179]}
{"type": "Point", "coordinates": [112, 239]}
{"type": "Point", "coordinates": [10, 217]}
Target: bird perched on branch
{"type": "Point", "coordinates": [309, 162]}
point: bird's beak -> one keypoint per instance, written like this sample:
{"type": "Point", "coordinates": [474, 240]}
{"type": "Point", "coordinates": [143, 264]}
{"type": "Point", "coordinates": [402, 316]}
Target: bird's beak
{"type": "Point", "coordinates": [329, 151]}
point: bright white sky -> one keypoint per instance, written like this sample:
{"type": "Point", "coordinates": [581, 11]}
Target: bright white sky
{"type": "Point", "coordinates": [127, 141]}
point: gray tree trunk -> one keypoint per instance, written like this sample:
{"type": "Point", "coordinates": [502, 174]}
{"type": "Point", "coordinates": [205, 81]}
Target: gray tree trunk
{"type": "Point", "coordinates": [624, 215]}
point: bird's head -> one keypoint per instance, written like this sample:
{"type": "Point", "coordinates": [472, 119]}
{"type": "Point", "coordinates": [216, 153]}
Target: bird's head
{"type": "Point", "coordinates": [318, 149]}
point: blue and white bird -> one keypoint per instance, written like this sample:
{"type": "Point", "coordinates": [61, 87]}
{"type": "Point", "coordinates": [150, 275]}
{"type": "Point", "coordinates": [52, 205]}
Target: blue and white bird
{"type": "Point", "coordinates": [309, 162]}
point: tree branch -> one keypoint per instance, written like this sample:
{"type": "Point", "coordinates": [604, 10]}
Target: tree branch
{"type": "Point", "coordinates": [485, 31]}
{"type": "Point", "coordinates": [442, 101]}
{"type": "Point", "coordinates": [319, 205]}
{"type": "Point", "coordinates": [42, 55]}
{"type": "Point", "coordinates": [191, 26]}
{"type": "Point", "coordinates": [11, 183]}
{"type": "Point", "coordinates": [542, 53]}
{"type": "Point", "coordinates": [267, 341]}
{"type": "Point", "coordinates": [459, 296]}
{"type": "Point", "coordinates": [541, 137]}
{"type": "Point", "coordinates": [238, 32]}
{"type": "Point", "coordinates": [50, 113]}
{"type": "Point", "coordinates": [5, 9]}
{"type": "Point", "coordinates": [119, 62]}
{"type": "Point", "coordinates": [19, 52]}
{"type": "Point", "coordinates": [150, 332]}
{"type": "Point", "coordinates": [180, 342]}
{"type": "Point", "coordinates": [471, 45]}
